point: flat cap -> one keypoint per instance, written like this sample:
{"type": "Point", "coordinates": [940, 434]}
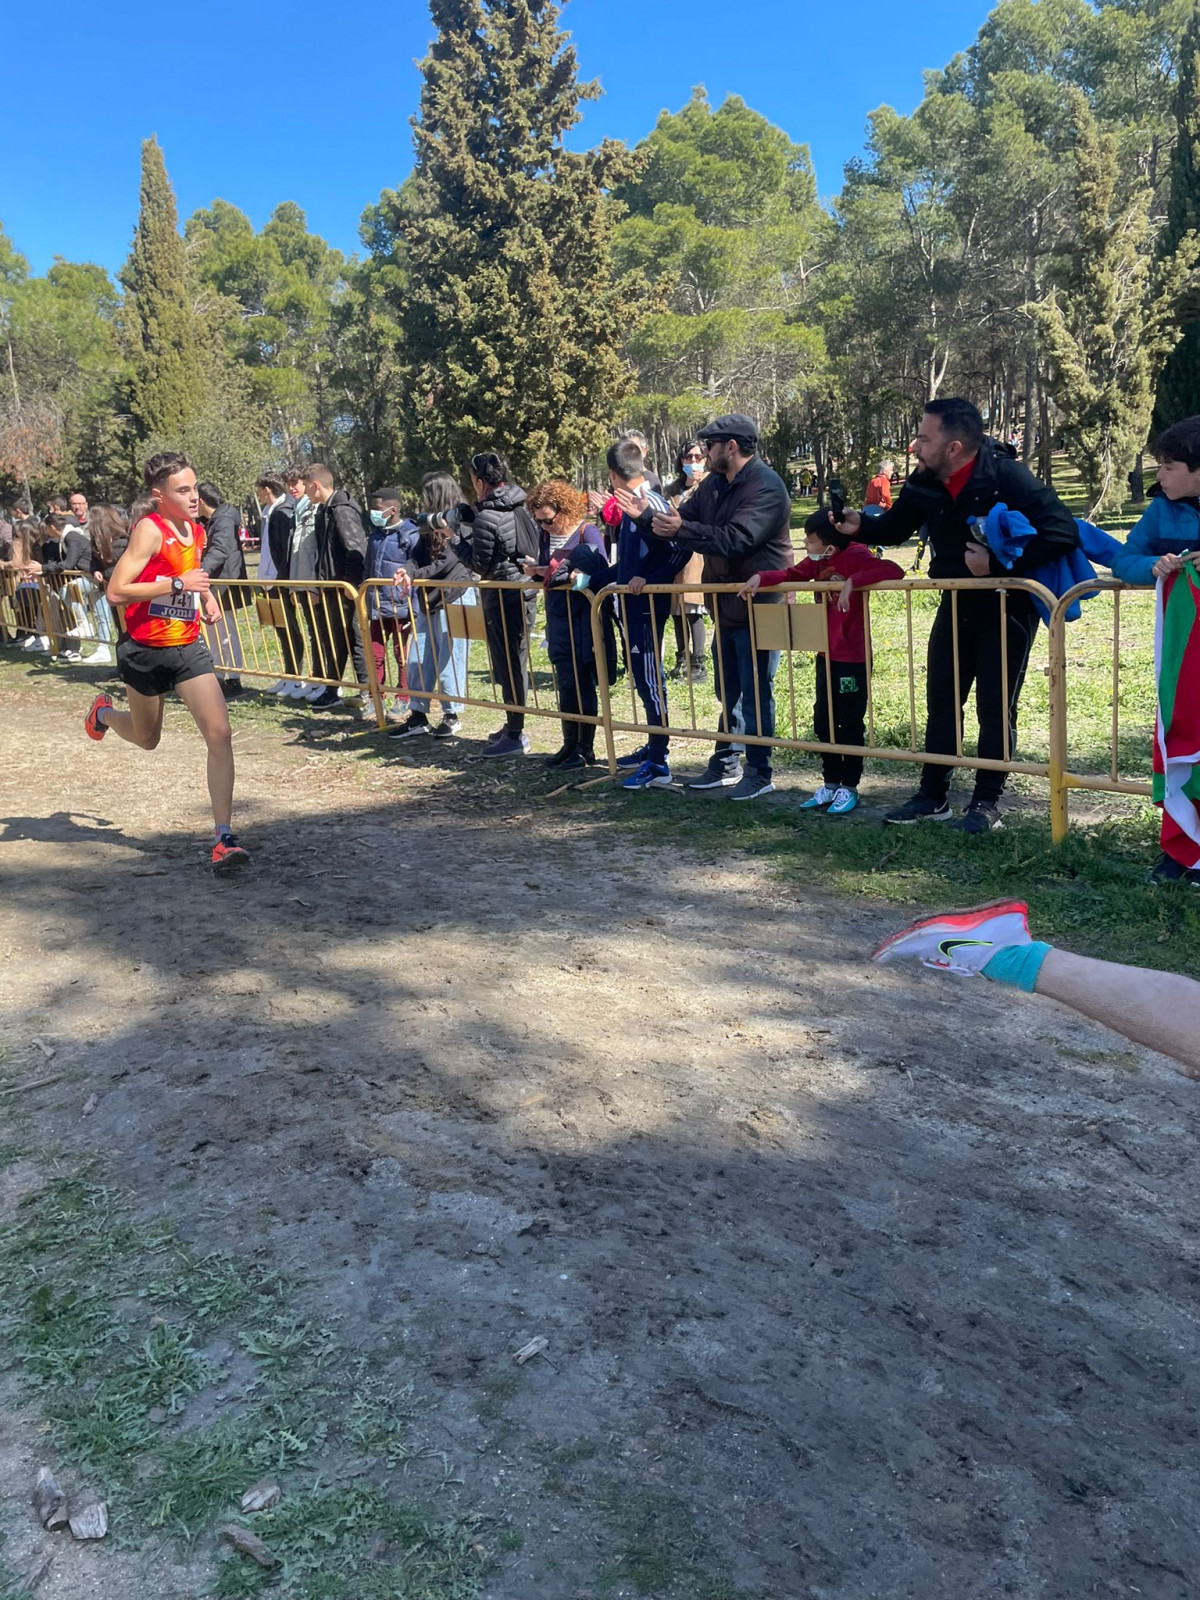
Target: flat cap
{"type": "Point", "coordinates": [732, 426]}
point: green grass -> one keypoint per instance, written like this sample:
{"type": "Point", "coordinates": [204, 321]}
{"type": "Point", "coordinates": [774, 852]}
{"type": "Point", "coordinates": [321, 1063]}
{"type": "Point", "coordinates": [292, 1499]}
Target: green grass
{"type": "Point", "coordinates": [107, 1320]}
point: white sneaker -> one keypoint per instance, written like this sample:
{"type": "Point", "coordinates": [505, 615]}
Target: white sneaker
{"type": "Point", "coordinates": [102, 656]}
{"type": "Point", "coordinates": [280, 687]}
{"type": "Point", "coordinates": [293, 689]}
{"type": "Point", "coordinates": [311, 691]}
{"type": "Point", "coordinates": [824, 797]}
{"type": "Point", "coordinates": [960, 941]}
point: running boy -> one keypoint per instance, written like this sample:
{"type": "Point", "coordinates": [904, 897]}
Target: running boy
{"type": "Point", "coordinates": [1161, 546]}
{"type": "Point", "coordinates": [642, 558]}
{"type": "Point", "coordinates": [160, 581]}
{"type": "Point", "coordinates": [836, 557]}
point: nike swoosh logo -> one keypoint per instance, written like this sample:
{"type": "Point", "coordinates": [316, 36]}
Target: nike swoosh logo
{"type": "Point", "coordinates": [949, 945]}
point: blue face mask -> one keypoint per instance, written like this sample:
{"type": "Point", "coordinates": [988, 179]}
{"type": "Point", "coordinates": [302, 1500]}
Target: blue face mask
{"type": "Point", "coordinates": [379, 518]}
{"type": "Point", "coordinates": [693, 469]}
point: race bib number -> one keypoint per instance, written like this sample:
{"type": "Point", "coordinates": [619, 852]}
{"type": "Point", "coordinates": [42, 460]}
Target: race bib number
{"type": "Point", "coordinates": [184, 608]}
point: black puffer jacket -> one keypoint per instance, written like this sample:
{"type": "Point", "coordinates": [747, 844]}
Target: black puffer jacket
{"type": "Point", "coordinates": [924, 502]}
{"type": "Point", "coordinates": [448, 566]}
{"type": "Point", "coordinates": [70, 552]}
{"type": "Point", "coordinates": [494, 533]}
{"type": "Point", "coordinates": [223, 556]}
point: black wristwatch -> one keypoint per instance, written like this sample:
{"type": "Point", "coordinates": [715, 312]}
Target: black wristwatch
{"type": "Point", "coordinates": [176, 588]}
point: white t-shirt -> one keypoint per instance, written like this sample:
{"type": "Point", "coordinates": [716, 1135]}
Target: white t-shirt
{"type": "Point", "coordinates": [266, 567]}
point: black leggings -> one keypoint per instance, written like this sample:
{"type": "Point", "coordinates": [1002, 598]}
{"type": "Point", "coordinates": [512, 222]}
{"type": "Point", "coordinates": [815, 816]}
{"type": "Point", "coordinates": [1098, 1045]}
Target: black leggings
{"type": "Point", "coordinates": [578, 695]}
{"type": "Point", "coordinates": [508, 619]}
{"type": "Point", "coordinates": [980, 662]}
{"type": "Point", "coordinates": [849, 720]}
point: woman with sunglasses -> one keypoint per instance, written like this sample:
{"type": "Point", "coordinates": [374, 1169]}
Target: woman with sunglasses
{"type": "Point", "coordinates": [687, 610]}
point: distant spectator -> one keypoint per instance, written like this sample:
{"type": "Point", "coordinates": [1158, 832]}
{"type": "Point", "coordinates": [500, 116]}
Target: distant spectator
{"type": "Point", "coordinates": [78, 506]}
{"type": "Point", "coordinates": [341, 557]}
{"type": "Point", "coordinates": [294, 531]}
{"type": "Point", "coordinates": [806, 482]}
{"type": "Point", "coordinates": [739, 519]}
{"type": "Point", "coordinates": [223, 558]}
{"type": "Point", "coordinates": [108, 531]}
{"type": "Point", "coordinates": [637, 437]}
{"type": "Point", "coordinates": [437, 658]}
{"type": "Point", "coordinates": [687, 610]}
{"type": "Point", "coordinates": [390, 544]}
{"type": "Point", "coordinates": [66, 553]}
{"type": "Point", "coordinates": [559, 511]}
{"type": "Point", "coordinates": [642, 559]}
{"type": "Point", "coordinates": [499, 538]}
{"type": "Point", "coordinates": [879, 490]}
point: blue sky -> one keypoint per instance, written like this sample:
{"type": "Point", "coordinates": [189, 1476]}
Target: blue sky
{"type": "Point", "coordinates": [261, 101]}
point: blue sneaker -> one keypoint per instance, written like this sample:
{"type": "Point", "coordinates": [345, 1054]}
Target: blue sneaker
{"type": "Point", "coordinates": [825, 796]}
{"type": "Point", "coordinates": [634, 758]}
{"type": "Point", "coordinates": [844, 800]}
{"type": "Point", "coordinates": [650, 775]}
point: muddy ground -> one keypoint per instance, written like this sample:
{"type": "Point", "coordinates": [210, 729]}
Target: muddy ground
{"type": "Point", "coordinates": [888, 1282]}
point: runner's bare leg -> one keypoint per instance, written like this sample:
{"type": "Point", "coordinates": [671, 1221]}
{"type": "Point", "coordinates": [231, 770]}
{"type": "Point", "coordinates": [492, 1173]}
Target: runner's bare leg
{"type": "Point", "coordinates": [203, 698]}
{"type": "Point", "coordinates": [142, 723]}
{"type": "Point", "coordinates": [1158, 1009]}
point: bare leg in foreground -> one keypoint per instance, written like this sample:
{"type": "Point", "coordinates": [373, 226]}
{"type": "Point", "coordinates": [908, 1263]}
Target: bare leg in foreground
{"type": "Point", "coordinates": [1158, 1009]}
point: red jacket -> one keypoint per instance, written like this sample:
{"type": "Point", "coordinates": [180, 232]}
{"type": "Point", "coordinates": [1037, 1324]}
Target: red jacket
{"type": "Point", "coordinates": [847, 629]}
{"type": "Point", "coordinates": [879, 491]}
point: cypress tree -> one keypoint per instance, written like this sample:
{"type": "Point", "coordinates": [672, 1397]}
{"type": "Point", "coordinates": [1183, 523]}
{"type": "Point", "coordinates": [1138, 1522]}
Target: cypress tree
{"type": "Point", "coordinates": [512, 320]}
{"type": "Point", "coordinates": [1179, 384]}
{"type": "Point", "coordinates": [168, 378]}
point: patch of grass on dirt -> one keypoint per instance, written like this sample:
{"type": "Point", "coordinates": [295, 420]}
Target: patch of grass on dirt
{"type": "Point", "coordinates": [660, 1550]}
{"type": "Point", "coordinates": [173, 1380]}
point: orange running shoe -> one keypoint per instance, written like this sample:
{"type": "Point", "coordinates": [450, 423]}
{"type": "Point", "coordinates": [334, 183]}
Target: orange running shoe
{"type": "Point", "coordinates": [93, 727]}
{"type": "Point", "coordinates": [228, 855]}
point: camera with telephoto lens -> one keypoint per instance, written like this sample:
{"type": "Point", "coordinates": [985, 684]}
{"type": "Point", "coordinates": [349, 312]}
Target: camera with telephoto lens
{"type": "Point", "coordinates": [452, 519]}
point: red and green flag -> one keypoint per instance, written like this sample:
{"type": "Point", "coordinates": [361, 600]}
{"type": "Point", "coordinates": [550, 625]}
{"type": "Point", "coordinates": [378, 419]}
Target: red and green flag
{"type": "Point", "coordinates": [1177, 734]}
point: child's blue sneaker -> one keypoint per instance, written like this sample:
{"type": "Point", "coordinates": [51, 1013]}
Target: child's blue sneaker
{"type": "Point", "coordinates": [844, 800]}
{"type": "Point", "coordinates": [633, 758]}
{"type": "Point", "coordinates": [823, 797]}
{"type": "Point", "coordinates": [650, 775]}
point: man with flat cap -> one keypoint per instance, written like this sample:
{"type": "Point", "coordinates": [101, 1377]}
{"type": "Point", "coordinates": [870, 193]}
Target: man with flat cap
{"type": "Point", "coordinates": [739, 519]}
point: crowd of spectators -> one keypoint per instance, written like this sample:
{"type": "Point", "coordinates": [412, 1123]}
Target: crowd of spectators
{"type": "Point", "coordinates": [723, 518]}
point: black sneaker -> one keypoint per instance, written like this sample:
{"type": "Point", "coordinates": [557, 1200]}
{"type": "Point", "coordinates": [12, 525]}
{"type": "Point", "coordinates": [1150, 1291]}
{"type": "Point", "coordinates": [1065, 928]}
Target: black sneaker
{"type": "Point", "coordinates": [717, 778]}
{"type": "Point", "coordinates": [752, 786]}
{"type": "Point", "coordinates": [231, 688]}
{"type": "Point", "coordinates": [1167, 870]}
{"type": "Point", "coordinates": [921, 808]}
{"type": "Point", "coordinates": [410, 729]}
{"type": "Point", "coordinates": [561, 755]}
{"type": "Point", "coordinates": [576, 761]}
{"type": "Point", "coordinates": [327, 701]}
{"type": "Point", "coordinates": [979, 817]}
{"type": "Point", "coordinates": [447, 728]}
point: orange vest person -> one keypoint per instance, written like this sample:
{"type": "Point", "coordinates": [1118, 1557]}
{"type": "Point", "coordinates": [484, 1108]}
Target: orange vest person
{"type": "Point", "coordinates": [160, 582]}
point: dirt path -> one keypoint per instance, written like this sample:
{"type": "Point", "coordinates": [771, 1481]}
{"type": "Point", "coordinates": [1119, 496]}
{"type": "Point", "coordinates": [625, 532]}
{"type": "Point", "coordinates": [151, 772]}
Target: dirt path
{"type": "Point", "coordinates": [854, 1284]}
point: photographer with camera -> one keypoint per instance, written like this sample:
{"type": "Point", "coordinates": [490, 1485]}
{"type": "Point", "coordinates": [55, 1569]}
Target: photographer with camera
{"type": "Point", "coordinates": [501, 534]}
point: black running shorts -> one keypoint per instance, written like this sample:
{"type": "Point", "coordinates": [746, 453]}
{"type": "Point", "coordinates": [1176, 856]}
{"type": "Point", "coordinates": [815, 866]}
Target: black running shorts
{"type": "Point", "coordinates": [157, 669]}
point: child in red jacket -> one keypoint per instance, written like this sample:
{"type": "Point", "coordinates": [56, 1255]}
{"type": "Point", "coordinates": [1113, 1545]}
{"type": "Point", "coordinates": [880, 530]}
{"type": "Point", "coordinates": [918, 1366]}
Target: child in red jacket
{"type": "Point", "coordinates": [834, 556]}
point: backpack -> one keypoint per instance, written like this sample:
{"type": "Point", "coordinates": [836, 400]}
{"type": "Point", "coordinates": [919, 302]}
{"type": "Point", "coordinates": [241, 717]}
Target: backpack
{"type": "Point", "coordinates": [528, 536]}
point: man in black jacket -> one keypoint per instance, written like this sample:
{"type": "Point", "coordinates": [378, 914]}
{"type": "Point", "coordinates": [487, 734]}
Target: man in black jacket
{"type": "Point", "coordinates": [739, 519]}
{"type": "Point", "coordinates": [341, 556]}
{"type": "Point", "coordinates": [962, 475]}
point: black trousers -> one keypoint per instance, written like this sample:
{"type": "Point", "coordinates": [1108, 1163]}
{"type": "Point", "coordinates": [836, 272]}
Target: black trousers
{"type": "Point", "coordinates": [849, 720]}
{"type": "Point", "coordinates": [578, 695]}
{"type": "Point", "coordinates": [980, 662]}
{"type": "Point", "coordinates": [337, 637]}
{"type": "Point", "coordinates": [291, 637]}
{"type": "Point", "coordinates": [508, 621]}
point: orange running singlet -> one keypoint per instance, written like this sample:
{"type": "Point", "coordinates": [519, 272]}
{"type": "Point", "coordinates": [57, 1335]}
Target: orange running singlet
{"type": "Point", "coordinates": [168, 620]}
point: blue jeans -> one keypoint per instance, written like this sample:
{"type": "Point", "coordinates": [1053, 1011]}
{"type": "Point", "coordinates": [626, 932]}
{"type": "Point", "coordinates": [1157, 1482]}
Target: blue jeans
{"type": "Point", "coordinates": [734, 664]}
{"type": "Point", "coordinates": [435, 660]}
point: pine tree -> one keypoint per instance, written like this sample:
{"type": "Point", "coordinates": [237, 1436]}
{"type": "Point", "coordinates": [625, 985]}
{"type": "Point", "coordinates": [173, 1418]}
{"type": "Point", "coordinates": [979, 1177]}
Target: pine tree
{"type": "Point", "coordinates": [1179, 385]}
{"type": "Point", "coordinates": [168, 380]}
{"type": "Point", "coordinates": [513, 323]}
{"type": "Point", "coordinates": [1109, 329]}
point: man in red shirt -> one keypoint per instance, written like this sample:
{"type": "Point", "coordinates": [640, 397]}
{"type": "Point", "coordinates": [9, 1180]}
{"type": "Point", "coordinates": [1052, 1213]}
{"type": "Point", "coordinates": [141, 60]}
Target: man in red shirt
{"type": "Point", "coordinates": [879, 490]}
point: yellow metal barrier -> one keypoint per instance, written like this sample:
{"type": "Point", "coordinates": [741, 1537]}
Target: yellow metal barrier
{"type": "Point", "coordinates": [784, 621]}
{"type": "Point", "coordinates": [68, 609]}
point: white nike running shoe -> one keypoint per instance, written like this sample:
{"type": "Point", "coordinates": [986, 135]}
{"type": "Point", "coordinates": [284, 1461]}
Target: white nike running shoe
{"type": "Point", "coordinates": [960, 941]}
